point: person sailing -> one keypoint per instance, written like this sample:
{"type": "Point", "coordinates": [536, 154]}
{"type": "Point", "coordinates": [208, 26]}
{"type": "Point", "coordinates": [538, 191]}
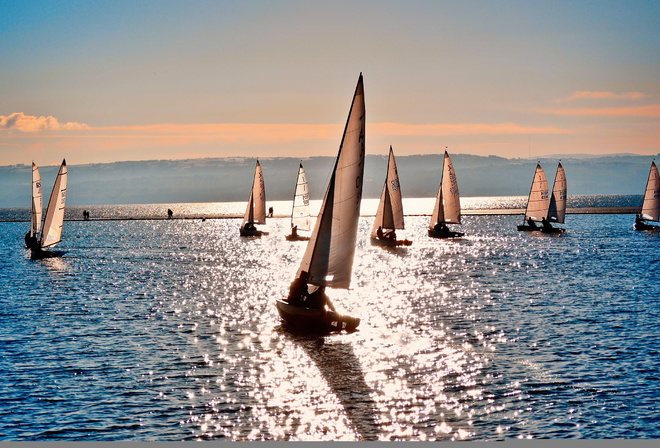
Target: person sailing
{"type": "Point", "coordinates": [547, 227]}
{"type": "Point", "coordinates": [299, 294]}
{"type": "Point", "coordinates": [441, 227]}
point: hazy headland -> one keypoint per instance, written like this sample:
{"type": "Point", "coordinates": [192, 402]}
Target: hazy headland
{"type": "Point", "coordinates": [230, 179]}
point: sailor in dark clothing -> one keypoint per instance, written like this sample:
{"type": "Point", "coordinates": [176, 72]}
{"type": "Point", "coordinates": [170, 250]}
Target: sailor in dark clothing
{"type": "Point", "coordinates": [298, 293]}
{"type": "Point", "coordinates": [31, 241]}
{"type": "Point", "coordinates": [318, 300]}
{"type": "Point", "coordinates": [441, 227]}
{"type": "Point", "coordinates": [547, 227]}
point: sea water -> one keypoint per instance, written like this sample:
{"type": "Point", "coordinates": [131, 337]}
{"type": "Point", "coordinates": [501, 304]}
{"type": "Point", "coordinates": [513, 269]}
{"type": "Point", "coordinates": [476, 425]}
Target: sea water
{"type": "Point", "coordinates": [167, 330]}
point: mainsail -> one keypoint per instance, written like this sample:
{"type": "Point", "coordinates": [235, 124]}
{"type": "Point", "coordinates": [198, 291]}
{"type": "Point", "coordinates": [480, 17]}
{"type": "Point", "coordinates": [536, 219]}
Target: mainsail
{"type": "Point", "coordinates": [557, 210]}
{"type": "Point", "coordinates": [651, 204]}
{"type": "Point", "coordinates": [390, 208]}
{"type": "Point", "coordinates": [448, 201]}
{"type": "Point", "coordinates": [255, 212]}
{"type": "Point", "coordinates": [52, 230]}
{"type": "Point", "coordinates": [37, 207]}
{"type": "Point", "coordinates": [328, 258]}
{"type": "Point", "coordinates": [300, 212]}
{"type": "Point", "coordinates": [539, 201]}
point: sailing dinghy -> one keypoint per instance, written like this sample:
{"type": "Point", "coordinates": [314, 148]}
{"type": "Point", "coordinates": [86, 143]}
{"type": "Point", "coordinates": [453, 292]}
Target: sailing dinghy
{"type": "Point", "coordinates": [538, 201]}
{"type": "Point", "coordinates": [255, 213]}
{"type": "Point", "coordinates": [328, 259]}
{"type": "Point", "coordinates": [51, 230]}
{"type": "Point", "coordinates": [300, 218]}
{"type": "Point", "coordinates": [651, 205]}
{"type": "Point", "coordinates": [390, 210]}
{"type": "Point", "coordinates": [557, 207]}
{"type": "Point", "coordinates": [447, 208]}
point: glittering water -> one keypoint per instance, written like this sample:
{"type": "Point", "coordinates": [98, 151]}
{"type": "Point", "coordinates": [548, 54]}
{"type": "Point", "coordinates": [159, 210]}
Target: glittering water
{"type": "Point", "coordinates": [167, 330]}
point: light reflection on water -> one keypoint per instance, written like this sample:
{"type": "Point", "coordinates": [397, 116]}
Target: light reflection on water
{"type": "Point", "coordinates": [167, 330]}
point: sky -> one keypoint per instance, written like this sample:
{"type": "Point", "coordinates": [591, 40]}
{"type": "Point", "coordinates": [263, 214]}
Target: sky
{"type": "Point", "coordinates": [106, 81]}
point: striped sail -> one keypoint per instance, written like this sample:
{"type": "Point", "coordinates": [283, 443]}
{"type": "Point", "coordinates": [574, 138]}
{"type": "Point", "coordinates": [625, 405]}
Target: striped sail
{"type": "Point", "coordinates": [329, 255]}
{"type": "Point", "coordinates": [300, 213]}
{"type": "Point", "coordinates": [37, 206]}
{"type": "Point", "coordinates": [256, 206]}
{"type": "Point", "coordinates": [539, 200]}
{"type": "Point", "coordinates": [52, 230]}
{"type": "Point", "coordinates": [557, 210]}
{"type": "Point", "coordinates": [390, 208]}
{"type": "Point", "coordinates": [651, 204]}
{"type": "Point", "coordinates": [448, 201]}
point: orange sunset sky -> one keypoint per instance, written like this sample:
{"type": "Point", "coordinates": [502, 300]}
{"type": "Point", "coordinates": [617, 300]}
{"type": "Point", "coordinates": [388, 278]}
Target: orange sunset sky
{"type": "Point", "coordinates": [113, 81]}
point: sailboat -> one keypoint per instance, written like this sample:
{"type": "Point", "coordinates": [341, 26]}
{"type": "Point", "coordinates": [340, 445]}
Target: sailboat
{"type": "Point", "coordinates": [51, 231]}
{"type": "Point", "coordinates": [300, 218]}
{"type": "Point", "coordinates": [447, 208]}
{"type": "Point", "coordinates": [255, 213]}
{"type": "Point", "coordinates": [651, 206]}
{"type": "Point", "coordinates": [35, 221]}
{"type": "Point", "coordinates": [390, 210]}
{"type": "Point", "coordinates": [538, 201]}
{"type": "Point", "coordinates": [557, 207]}
{"type": "Point", "coordinates": [328, 259]}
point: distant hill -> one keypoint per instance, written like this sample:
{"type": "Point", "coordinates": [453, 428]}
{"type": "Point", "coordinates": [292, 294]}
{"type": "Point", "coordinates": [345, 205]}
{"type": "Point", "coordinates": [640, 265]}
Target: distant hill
{"type": "Point", "coordinates": [230, 179]}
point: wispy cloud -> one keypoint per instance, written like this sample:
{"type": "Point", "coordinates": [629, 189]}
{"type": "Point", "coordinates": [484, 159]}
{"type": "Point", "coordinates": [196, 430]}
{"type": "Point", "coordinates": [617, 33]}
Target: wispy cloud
{"type": "Point", "coordinates": [261, 132]}
{"type": "Point", "coordinates": [585, 94]}
{"type": "Point", "coordinates": [30, 123]}
{"type": "Point", "coordinates": [652, 110]}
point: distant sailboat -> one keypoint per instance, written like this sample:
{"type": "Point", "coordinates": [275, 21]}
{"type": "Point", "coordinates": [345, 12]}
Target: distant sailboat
{"type": "Point", "coordinates": [447, 208]}
{"type": "Point", "coordinates": [255, 213]}
{"type": "Point", "coordinates": [538, 201]}
{"type": "Point", "coordinates": [557, 207]}
{"type": "Point", "coordinates": [300, 218]}
{"type": "Point", "coordinates": [36, 215]}
{"type": "Point", "coordinates": [51, 231]}
{"type": "Point", "coordinates": [328, 260]}
{"type": "Point", "coordinates": [390, 210]}
{"type": "Point", "coordinates": [651, 206]}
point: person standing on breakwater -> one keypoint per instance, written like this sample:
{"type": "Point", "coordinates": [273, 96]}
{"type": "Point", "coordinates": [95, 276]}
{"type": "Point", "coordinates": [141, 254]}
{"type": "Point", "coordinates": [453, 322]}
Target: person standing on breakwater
{"type": "Point", "coordinates": [170, 213]}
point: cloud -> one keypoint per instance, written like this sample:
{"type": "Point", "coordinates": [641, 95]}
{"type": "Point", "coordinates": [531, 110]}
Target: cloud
{"type": "Point", "coordinates": [30, 123]}
{"type": "Point", "coordinates": [652, 111]}
{"type": "Point", "coordinates": [580, 95]}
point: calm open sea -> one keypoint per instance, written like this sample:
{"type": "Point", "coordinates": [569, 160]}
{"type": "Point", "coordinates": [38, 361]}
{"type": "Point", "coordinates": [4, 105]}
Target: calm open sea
{"type": "Point", "coordinates": [167, 330]}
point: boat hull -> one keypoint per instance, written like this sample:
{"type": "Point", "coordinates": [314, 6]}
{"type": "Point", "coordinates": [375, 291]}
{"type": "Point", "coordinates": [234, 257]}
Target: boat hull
{"type": "Point", "coordinates": [528, 228]}
{"type": "Point", "coordinates": [445, 234]}
{"type": "Point", "coordinates": [252, 233]}
{"type": "Point", "coordinates": [315, 321]}
{"type": "Point", "coordinates": [296, 238]}
{"type": "Point", "coordinates": [644, 226]}
{"type": "Point", "coordinates": [389, 243]}
{"type": "Point", "coordinates": [41, 254]}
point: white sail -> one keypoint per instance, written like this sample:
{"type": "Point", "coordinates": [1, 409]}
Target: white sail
{"type": "Point", "coordinates": [651, 205]}
{"type": "Point", "coordinates": [300, 213]}
{"type": "Point", "coordinates": [390, 209]}
{"type": "Point", "coordinates": [52, 229]}
{"type": "Point", "coordinates": [328, 258]}
{"type": "Point", "coordinates": [557, 210]}
{"type": "Point", "coordinates": [37, 206]}
{"type": "Point", "coordinates": [256, 207]}
{"type": "Point", "coordinates": [539, 200]}
{"type": "Point", "coordinates": [448, 201]}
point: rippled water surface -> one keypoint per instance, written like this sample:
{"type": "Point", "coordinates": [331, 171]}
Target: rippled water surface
{"type": "Point", "coordinates": [167, 330]}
